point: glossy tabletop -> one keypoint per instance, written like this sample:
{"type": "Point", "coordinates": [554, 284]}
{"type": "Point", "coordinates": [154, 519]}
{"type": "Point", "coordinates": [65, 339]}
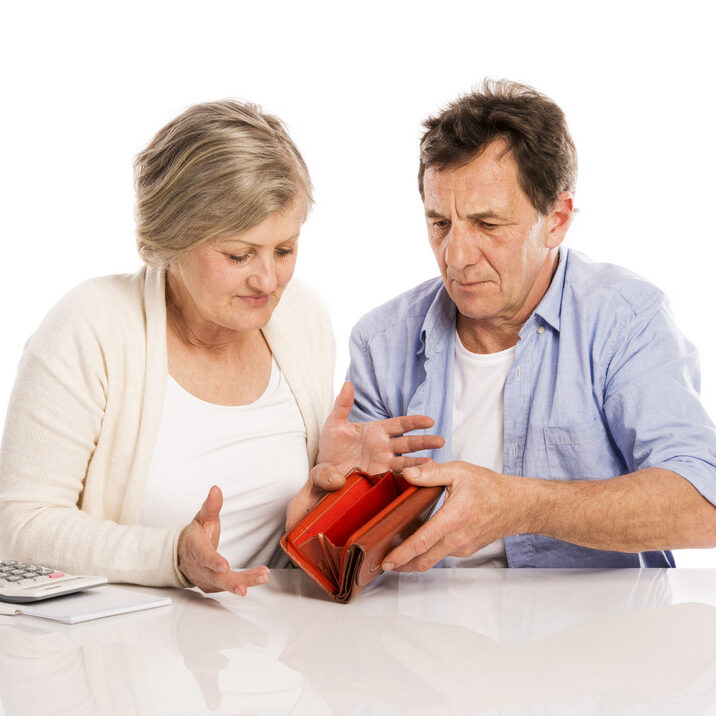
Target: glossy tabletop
{"type": "Point", "coordinates": [451, 641]}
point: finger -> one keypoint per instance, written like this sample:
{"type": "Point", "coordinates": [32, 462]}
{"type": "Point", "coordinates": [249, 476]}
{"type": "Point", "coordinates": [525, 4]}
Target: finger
{"type": "Point", "coordinates": [242, 581]}
{"type": "Point", "coordinates": [429, 559]}
{"type": "Point", "coordinates": [421, 542]}
{"type": "Point", "coordinates": [398, 464]}
{"type": "Point", "coordinates": [429, 474]}
{"type": "Point", "coordinates": [326, 477]}
{"type": "Point", "coordinates": [413, 443]}
{"type": "Point", "coordinates": [211, 508]}
{"type": "Point", "coordinates": [236, 582]}
{"type": "Point", "coordinates": [343, 405]}
{"type": "Point", "coordinates": [406, 423]}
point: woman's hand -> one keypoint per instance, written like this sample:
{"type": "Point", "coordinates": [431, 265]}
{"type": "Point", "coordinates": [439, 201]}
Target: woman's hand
{"type": "Point", "coordinates": [199, 561]}
{"type": "Point", "coordinates": [375, 446]}
{"type": "Point", "coordinates": [323, 478]}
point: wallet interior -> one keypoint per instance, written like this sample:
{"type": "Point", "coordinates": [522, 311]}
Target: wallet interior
{"type": "Point", "coordinates": [325, 539]}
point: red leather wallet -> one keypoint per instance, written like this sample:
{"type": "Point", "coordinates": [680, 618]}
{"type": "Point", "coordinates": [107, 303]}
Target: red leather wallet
{"type": "Point", "coordinates": [342, 541]}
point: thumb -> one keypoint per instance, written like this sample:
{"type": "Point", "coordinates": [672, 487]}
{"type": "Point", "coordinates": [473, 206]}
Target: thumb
{"type": "Point", "coordinates": [344, 403]}
{"type": "Point", "coordinates": [211, 508]}
{"type": "Point", "coordinates": [427, 475]}
{"type": "Point", "coordinates": [326, 477]}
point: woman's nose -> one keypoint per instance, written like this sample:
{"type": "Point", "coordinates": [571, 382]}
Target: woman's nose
{"type": "Point", "coordinates": [263, 278]}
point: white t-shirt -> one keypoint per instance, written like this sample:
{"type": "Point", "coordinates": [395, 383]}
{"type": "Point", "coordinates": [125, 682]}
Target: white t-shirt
{"type": "Point", "coordinates": [255, 453]}
{"type": "Point", "coordinates": [478, 426]}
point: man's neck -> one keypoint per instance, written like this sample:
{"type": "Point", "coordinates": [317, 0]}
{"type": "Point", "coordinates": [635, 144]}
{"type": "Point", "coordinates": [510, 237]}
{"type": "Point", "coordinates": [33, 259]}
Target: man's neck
{"type": "Point", "coordinates": [494, 335]}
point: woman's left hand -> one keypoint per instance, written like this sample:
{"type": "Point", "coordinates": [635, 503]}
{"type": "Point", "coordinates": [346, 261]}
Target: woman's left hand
{"type": "Point", "coordinates": [375, 446]}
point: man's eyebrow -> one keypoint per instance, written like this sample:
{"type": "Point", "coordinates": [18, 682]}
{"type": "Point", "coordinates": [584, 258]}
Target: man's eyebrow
{"type": "Point", "coordinates": [482, 215]}
{"type": "Point", "coordinates": [477, 216]}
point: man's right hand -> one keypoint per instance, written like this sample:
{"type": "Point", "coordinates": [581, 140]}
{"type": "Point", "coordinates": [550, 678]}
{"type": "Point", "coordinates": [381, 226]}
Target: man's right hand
{"type": "Point", "coordinates": [198, 559]}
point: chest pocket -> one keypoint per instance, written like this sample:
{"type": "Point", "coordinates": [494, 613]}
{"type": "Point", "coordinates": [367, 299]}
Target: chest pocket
{"type": "Point", "coordinates": [580, 451]}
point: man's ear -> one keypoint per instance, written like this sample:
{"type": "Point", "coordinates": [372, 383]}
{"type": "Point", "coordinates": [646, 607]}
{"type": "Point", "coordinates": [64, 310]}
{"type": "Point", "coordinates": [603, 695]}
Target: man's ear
{"type": "Point", "coordinates": [559, 219]}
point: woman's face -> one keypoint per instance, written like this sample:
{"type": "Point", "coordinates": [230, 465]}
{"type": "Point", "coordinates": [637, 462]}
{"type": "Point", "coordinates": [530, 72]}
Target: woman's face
{"type": "Point", "coordinates": [234, 284]}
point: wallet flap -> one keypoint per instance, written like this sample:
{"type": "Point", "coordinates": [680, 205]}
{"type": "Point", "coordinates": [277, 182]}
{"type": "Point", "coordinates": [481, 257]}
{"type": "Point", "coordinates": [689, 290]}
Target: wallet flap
{"type": "Point", "coordinates": [342, 541]}
{"type": "Point", "coordinates": [391, 528]}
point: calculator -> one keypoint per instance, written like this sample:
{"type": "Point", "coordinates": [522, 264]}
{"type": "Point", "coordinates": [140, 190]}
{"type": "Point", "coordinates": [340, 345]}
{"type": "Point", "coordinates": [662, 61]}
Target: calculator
{"type": "Point", "coordinates": [22, 582]}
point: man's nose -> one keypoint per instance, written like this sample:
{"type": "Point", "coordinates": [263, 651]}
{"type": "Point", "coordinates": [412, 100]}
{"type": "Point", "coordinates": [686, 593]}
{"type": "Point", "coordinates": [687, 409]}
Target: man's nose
{"type": "Point", "coordinates": [462, 248]}
{"type": "Point", "coordinates": [263, 277]}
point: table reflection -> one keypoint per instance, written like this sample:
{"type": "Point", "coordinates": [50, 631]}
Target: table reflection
{"type": "Point", "coordinates": [449, 641]}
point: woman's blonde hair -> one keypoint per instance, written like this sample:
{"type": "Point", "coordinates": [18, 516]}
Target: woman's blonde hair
{"type": "Point", "coordinates": [217, 169]}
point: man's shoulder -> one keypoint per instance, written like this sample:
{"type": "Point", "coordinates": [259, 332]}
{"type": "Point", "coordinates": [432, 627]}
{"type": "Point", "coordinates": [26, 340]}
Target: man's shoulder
{"type": "Point", "coordinates": [406, 311]}
{"type": "Point", "coordinates": [603, 286]}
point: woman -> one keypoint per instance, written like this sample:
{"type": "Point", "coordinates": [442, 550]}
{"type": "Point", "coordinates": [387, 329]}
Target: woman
{"type": "Point", "coordinates": [140, 392]}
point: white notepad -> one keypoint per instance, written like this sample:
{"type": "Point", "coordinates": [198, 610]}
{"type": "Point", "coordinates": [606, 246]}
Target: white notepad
{"type": "Point", "coordinates": [92, 604]}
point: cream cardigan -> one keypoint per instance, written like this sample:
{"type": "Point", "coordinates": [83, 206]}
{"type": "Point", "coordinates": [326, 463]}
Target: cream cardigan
{"type": "Point", "coordinates": [83, 417]}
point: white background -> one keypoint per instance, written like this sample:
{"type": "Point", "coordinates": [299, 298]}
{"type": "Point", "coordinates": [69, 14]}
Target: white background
{"type": "Point", "coordinates": [85, 87]}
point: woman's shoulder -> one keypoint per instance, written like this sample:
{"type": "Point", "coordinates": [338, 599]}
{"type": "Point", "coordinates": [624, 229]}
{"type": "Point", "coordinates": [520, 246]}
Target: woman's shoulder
{"type": "Point", "coordinates": [96, 310]}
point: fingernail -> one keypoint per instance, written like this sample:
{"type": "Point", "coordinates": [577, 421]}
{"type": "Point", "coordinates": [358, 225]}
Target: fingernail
{"type": "Point", "coordinates": [411, 472]}
{"type": "Point", "coordinates": [387, 566]}
{"type": "Point", "coordinates": [262, 579]}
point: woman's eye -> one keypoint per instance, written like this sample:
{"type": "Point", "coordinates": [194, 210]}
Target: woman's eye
{"type": "Point", "coordinates": [237, 259]}
{"type": "Point", "coordinates": [285, 252]}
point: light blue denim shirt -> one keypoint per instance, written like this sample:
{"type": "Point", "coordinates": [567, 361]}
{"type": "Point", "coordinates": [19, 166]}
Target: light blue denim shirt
{"type": "Point", "coordinates": [603, 384]}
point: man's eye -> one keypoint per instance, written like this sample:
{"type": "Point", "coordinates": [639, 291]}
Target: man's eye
{"type": "Point", "coordinates": [441, 223]}
{"type": "Point", "coordinates": [487, 225]}
{"type": "Point", "coordinates": [237, 259]}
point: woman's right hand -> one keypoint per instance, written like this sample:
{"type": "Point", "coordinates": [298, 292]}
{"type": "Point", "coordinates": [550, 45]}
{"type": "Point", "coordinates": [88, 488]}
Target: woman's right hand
{"type": "Point", "coordinates": [198, 559]}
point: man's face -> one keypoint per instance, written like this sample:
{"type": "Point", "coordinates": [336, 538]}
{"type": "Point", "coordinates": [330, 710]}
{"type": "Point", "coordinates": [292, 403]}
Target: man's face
{"type": "Point", "coordinates": [492, 246]}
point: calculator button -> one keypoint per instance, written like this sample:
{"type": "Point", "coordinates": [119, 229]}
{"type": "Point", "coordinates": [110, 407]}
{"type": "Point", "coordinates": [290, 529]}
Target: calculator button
{"type": "Point", "coordinates": [9, 562]}
{"type": "Point", "coordinates": [14, 579]}
{"type": "Point", "coordinates": [55, 575]}
{"type": "Point", "coordinates": [44, 570]}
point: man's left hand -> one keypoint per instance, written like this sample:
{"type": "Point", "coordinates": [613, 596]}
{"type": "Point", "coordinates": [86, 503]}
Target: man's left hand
{"type": "Point", "coordinates": [477, 510]}
{"type": "Point", "coordinates": [375, 446]}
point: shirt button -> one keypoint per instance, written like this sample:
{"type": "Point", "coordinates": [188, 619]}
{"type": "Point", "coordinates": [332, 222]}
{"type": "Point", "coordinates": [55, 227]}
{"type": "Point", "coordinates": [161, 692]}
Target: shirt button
{"type": "Point", "coordinates": [517, 372]}
{"type": "Point", "coordinates": [514, 450]}
{"type": "Point", "coordinates": [540, 329]}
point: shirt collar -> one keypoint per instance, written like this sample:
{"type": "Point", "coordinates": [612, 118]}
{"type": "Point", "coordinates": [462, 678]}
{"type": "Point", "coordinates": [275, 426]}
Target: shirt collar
{"type": "Point", "coordinates": [439, 323]}
{"type": "Point", "coordinates": [549, 309]}
{"type": "Point", "coordinates": [440, 319]}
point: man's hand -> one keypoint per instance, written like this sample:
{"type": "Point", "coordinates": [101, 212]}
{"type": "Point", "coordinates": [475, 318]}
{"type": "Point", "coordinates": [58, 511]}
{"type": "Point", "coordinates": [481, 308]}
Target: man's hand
{"type": "Point", "coordinates": [199, 561]}
{"type": "Point", "coordinates": [476, 511]}
{"type": "Point", "coordinates": [375, 446]}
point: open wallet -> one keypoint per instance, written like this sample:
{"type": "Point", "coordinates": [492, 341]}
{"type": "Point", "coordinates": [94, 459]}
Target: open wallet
{"type": "Point", "coordinates": [342, 541]}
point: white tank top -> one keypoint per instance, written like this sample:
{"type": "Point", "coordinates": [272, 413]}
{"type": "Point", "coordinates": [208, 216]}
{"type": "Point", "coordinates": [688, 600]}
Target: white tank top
{"type": "Point", "coordinates": [255, 453]}
{"type": "Point", "coordinates": [478, 427]}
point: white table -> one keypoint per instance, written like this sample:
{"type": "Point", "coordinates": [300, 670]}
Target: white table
{"type": "Point", "coordinates": [445, 642]}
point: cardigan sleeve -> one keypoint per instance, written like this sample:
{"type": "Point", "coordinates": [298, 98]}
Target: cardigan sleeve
{"type": "Point", "coordinates": [53, 425]}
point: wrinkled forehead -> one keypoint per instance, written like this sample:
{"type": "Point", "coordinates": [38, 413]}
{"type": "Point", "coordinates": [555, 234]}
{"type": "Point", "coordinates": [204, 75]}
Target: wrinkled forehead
{"type": "Point", "coordinates": [492, 174]}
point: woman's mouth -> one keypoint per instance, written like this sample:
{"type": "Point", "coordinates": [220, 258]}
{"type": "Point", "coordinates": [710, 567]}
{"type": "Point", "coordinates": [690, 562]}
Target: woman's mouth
{"type": "Point", "coordinates": [256, 299]}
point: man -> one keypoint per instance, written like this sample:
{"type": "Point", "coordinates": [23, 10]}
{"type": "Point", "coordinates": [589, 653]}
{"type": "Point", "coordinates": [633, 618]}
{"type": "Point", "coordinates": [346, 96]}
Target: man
{"type": "Point", "coordinates": [565, 393]}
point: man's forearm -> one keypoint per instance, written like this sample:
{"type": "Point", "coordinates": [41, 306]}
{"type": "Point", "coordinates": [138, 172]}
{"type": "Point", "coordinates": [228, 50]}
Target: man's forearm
{"type": "Point", "coordinates": [651, 509]}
